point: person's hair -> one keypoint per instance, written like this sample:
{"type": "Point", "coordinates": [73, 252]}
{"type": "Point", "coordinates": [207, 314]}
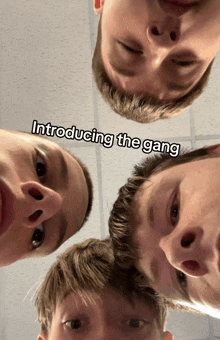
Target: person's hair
{"type": "Point", "coordinates": [124, 212]}
{"type": "Point", "coordinates": [85, 270]}
{"type": "Point", "coordinates": [144, 108]}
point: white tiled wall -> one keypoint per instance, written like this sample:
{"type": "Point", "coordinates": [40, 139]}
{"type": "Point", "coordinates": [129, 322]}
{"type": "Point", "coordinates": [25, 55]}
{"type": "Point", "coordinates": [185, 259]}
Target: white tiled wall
{"type": "Point", "coordinates": [45, 74]}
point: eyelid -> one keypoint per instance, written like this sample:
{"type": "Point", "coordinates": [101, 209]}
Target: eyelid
{"type": "Point", "coordinates": [32, 248]}
{"type": "Point", "coordinates": [84, 321]}
{"type": "Point", "coordinates": [129, 47]}
{"type": "Point", "coordinates": [41, 154]}
{"type": "Point", "coordinates": [188, 63]}
{"type": "Point", "coordinates": [174, 195]}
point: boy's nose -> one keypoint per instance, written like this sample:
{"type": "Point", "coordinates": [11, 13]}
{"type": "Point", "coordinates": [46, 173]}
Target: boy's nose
{"type": "Point", "coordinates": [188, 251]}
{"type": "Point", "coordinates": [39, 203]}
{"type": "Point", "coordinates": [164, 33]}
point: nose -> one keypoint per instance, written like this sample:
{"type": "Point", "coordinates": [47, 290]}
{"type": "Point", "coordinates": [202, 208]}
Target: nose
{"type": "Point", "coordinates": [164, 33]}
{"type": "Point", "coordinates": [188, 251]}
{"type": "Point", "coordinates": [39, 203]}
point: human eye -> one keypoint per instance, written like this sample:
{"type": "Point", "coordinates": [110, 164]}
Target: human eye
{"type": "Point", "coordinates": [74, 323]}
{"type": "Point", "coordinates": [130, 49]}
{"type": "Point", "coordinates": [174, 210]}
{"type": "Point", "coordinates": [41, 168]}
{"type": "Point", "coordinates": [182, 279]}
{"type": "Point", "coordinates": [184, 63]}
{"type": "Point", "coordinates": [38, 237]}
{"type": "Point", "coordinates": [135, 323]}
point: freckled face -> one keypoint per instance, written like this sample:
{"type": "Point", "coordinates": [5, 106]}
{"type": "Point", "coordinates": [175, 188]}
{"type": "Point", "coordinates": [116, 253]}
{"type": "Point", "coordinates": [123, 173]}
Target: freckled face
{"type": "Point", "coordinates": [43, 196]}
{"type": "Point", "coordinates": [110, 317]}
{"type": "Point", "coordinates": [178, 233]}
{"type": "Point", "coordinates": [157, 47]}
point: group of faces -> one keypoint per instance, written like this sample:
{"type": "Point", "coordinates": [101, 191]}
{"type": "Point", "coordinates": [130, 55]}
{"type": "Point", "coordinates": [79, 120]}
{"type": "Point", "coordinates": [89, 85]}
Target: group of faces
{"type": "Point", "coordinates": [45, 193]}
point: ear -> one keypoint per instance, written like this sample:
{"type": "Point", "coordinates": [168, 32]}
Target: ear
{"type": "Point", "coordinates": [214, 149]}
{"type": "Point", "coordinates": [42, 336]}
{"type": "Point", "coordinates": [98, 6]}
{"type": "Point", "coordinates": [167, 336]}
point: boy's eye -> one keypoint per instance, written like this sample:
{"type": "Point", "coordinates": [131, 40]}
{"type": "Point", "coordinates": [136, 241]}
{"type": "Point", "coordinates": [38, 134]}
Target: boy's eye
{"type": "Point", "coordinates": [182, 279]}
{"type": "Point", "coordinates": [40, 167]}
{"type": "Point", "coordinates": [130, 49]}
{"type": "Point", "coordinates": [183, 63]}
{"type": "Point", "coordinates": [38, 237]}
{"type": "Point", "coordinates": [174, 211]}
{"type": "Point", "coordinates": [74, 324]}
{"type": "Point", "coordinates": [135, 323]}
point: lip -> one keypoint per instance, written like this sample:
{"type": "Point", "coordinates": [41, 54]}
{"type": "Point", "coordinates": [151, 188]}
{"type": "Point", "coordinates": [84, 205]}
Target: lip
{"type": "Point", "coordinates": [6, 208]}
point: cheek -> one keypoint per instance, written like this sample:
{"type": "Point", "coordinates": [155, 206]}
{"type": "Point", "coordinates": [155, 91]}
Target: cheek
{"type": "Point", "coordinates": [14, 247]}
{"type": "Point", "coordinates": [206, 290]}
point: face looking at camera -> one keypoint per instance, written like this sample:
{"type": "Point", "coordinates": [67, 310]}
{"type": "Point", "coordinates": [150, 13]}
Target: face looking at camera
{"type": "Point", "coordinates": [43, 196]}
{"type": "Point", "coordinates": [158, 47]}
{"type": "Point", "coordinates": [177, 233]}
{"type": "Point", "coordinates": [106, 318]}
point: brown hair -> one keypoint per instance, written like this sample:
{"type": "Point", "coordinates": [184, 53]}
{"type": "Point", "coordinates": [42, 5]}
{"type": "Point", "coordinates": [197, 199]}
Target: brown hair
{"type": "Point", "coordinates": [124, 211]}
{"type": "Point", "coordinates": [140, 108]}
{"type": "Point", "coordinates": [89, 268]}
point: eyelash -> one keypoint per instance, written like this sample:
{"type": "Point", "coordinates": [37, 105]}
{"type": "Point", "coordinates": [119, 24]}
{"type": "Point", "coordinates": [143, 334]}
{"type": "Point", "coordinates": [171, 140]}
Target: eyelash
{"type": "Point", "coordinates": [183, 63]}
{"type": "Point", "coordinates": [130, 49]}
{"type": "Point", "coordinates": [141, 323]}
{"type": "Point", "coordinates": [81, 324]}
{"type": "Point", "coordinates": [36, 233]}
{"type": "Point", "coordinates": [43, 166]}
{"type": "Point", "coordinates": [182, 279]}
{"type": "Point", "coordinates": [175, 205]}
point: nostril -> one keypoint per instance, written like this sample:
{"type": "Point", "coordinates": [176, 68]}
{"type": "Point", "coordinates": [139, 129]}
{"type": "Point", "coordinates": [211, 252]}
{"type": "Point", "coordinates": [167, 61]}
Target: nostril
{"type": "Point", "coordinates": [173, 36]}
{"type": "Point", "coordinates": [35, 216]}
{"type": "Point", "coordinates": [155, 31]}
{"type": "Point", "coordinates": [35, 193]}
{"type": "Point", "coordinates": [187, 240]}
{"type": "Point", "coordinates": [191, 265]}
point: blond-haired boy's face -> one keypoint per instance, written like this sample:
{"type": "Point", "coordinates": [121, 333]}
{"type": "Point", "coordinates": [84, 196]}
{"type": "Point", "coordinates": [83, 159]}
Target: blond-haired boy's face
{"type": "Point", "coordinates": [158, 47]}
{"type": "Point", "coordinates": [177, 232]}
{"type": "Point", "coordinates": [109, 317]}
{"type": "Point", "coordinates": [43, 196]}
